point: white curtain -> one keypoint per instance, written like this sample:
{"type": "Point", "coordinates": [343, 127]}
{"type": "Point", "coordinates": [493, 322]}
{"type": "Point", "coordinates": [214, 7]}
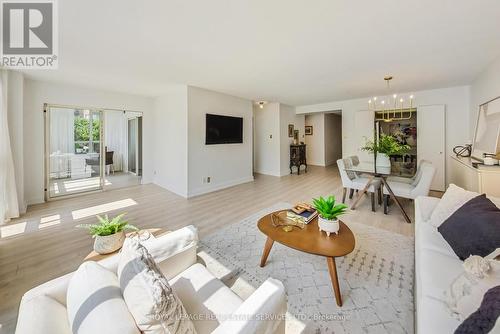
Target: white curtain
{"type": "Point", "coordinates": [115, 133]}
{"type": "Point", "coordinates": [9, 207]}
{"type": "Point", "coordinates": [62, 141]}
{"type": "Point", "coordinates": [62, 130]}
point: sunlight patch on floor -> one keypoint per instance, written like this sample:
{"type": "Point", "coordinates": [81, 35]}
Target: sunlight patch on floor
{"type": "Point", "coordinates": [49, 221]}
{"type": "Point", "coordinates": [98, 209]}
{"type": "Point", "coordinates": [11, 230]}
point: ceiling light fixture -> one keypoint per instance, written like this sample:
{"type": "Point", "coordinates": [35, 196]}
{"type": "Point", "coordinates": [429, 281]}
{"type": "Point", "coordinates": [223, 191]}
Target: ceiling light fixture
{"type": "Point", "coordinates": [261, 104]}
{"type": "Point", "coordinates": [394, 111]}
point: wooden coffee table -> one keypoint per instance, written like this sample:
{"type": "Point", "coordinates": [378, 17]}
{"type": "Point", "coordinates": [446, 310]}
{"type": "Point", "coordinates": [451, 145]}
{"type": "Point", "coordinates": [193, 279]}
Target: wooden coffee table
{"type": "Point", "coordinates": [310, 240]}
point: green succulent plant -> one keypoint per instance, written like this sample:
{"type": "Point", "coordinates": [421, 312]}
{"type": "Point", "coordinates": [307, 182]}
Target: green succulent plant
{"type": "Point", "coordinates": [387, 144]}
{"type": "Point", "coordinates": [107, 226]}
{"type": "Point", "coordinates": [327, 208]}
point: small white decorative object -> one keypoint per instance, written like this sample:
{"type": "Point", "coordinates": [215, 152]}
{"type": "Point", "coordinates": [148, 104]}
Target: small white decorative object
{"type": "Point", "coordinates": [329, 226]}
{"type": "Point", "coordinates": [477, 266]}
{"type": "Point", "coordinates": [383, 160]}
{"type": "Point", "coordinates": [109, 243]}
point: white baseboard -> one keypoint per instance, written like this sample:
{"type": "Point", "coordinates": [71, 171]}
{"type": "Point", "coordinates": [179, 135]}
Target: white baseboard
{"type": "Point", "coordinates": [320, 164]}
{"type": "Point", "coordinates": [286, 172]}
{"type": "Point", "coordinates": [34, 200]}
{"type": "Point", "coordinates": [172, 189]}
{"type": "Point", "coordinates": [220, 186]}
{"type": "Point", "coordinates": [267, 172]}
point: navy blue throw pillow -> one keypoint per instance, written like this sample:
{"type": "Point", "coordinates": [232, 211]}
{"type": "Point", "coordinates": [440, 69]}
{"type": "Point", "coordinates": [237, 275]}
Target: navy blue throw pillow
{"type": "Point", "coordinates": [474, 229]}
{"type": "Point", "coordinates": [483, 320]}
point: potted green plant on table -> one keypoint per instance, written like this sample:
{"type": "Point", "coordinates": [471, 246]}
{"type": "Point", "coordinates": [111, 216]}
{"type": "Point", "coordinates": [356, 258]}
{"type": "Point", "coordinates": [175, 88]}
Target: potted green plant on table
{"type": "Point", "coordinates": [109, 234]}
{"type": "Point", "coordinates": [328, 213]}
{"type": "Point", "coordinates": [386, 146]}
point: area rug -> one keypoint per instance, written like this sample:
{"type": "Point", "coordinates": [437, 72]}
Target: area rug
{"type": "Point", "coordinates": [376, 279]}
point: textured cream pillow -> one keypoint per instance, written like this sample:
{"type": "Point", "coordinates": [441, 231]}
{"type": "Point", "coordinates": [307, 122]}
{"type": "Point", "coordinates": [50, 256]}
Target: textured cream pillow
{"type": "Point", "coordinates": [452, 200]}
{"type": "Point", "coordinates": [95, 303]}
{"type": "Point", "coordinates": [154, 306]}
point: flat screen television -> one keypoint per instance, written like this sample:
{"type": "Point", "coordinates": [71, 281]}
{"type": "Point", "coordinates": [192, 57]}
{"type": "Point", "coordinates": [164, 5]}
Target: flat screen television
{"type": "Point", "coordinates": [223, 130]}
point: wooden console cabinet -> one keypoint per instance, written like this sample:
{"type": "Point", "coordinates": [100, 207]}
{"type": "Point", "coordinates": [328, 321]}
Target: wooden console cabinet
{"type": "Point", "coordinates": [298, 157]}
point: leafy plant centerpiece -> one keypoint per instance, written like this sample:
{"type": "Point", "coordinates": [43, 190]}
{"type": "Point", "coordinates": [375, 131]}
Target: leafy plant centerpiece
{"type": "Point", "coordinates": [387, 144]}
{"type": "Point", "coordinates": [109, 234]}
{"type": "Point", "coordinates": [329, 212]}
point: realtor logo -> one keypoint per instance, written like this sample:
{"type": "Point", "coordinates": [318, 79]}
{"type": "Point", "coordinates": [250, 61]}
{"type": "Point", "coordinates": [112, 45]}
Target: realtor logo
{"type": "Point", "coordinates": [29, 34]}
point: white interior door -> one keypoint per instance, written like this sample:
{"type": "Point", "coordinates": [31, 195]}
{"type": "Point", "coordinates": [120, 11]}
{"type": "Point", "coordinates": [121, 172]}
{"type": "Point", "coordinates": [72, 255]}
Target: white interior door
{"type": "Point", "coordinates": [431, 141]}
{"type": "Point", "coordinates": [363, 125]}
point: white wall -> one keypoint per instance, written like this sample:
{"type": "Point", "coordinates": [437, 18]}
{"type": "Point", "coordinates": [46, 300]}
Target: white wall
{"type": "Point", "coordinates": [333, 138]}
{"type": "Point", "coordinates": [271, 141]}
{"type": "Point", "coordinates": [484, 88]}
{"type": "Point", "coordinates": [315, 149]}
{"type": "Point", "coordinates": [288, 116]}
{"type": "Point", "coordinates": [267, 139]}
{"type": "Point", "coordinates": [170, 133]}
{"type": "Point", "coordinates": [37, 93]}
{"type": "Point", "coordinates": [16, 131]}
{"type": "Point", "coordinates": [456, 100]}
{"type": "Point", "coordinates": [226, 164]}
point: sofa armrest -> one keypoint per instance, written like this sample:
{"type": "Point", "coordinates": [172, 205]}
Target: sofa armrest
{"type": "Point", "coordinates": [174, 252]}
{"type": "Point", "coordinates": [262, 312]}
{"type": "Point", "coordinates": [424, 206]}
{"type": "Point", "coordinates": [42, 314]}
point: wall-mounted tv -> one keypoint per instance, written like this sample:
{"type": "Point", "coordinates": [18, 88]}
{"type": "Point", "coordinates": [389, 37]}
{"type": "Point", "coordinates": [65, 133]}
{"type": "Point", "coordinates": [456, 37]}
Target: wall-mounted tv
{"type": "Point", "coordinates": [223, 130]}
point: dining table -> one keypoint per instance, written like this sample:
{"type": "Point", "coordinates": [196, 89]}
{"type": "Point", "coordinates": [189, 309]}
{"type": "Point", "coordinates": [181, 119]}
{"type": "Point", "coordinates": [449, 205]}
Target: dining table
{"type": "Point", "coordinates": [372, 171]}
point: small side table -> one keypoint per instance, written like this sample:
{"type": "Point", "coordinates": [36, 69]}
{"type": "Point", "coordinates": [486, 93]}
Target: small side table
{"type": "Point", "coordinates": [142, 234]}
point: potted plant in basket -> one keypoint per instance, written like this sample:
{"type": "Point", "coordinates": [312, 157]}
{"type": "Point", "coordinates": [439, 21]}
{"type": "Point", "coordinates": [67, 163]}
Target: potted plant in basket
{"type": "Point", "coordinates": [329, 212]}
{"type": "Point", "coordinates": [386, 146]}
{"type": "Point", "coordinates": [109, 234]}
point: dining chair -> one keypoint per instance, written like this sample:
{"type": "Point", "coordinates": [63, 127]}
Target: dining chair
{"type": "Point", "coordinates": [411, 188]}
{"type": "Point", "coordinates": [356, 182]}
{"type": "Point", "coordinates": [414, 177]}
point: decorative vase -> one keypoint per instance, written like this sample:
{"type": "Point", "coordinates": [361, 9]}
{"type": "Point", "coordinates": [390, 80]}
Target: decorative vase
{"type": "Point", "coordinates": [109, 243]}
{"type": "Point", "coordinates": [383, 160]}
{"type": "Point", "coordinates": [328, 225]}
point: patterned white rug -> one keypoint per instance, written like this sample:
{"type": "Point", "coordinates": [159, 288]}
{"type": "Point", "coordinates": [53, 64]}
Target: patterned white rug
{"type": "Point", "coordinates": [376, 279]}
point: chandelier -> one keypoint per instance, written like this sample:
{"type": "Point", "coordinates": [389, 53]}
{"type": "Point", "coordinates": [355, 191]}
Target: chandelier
{"type": "Point", "coordinates": [392, 108]}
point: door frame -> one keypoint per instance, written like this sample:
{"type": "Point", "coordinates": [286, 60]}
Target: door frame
{"type": "Point", "coordinates": [102, 145]}
{"type": "Point", "coordinates": [46, 169]}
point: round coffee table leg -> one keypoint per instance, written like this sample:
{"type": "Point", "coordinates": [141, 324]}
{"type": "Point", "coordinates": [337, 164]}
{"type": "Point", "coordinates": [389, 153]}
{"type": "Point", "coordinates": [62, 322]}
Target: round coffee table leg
{"type": "Point", "coordinates": [267, 249]}
{"type": "Point", "coordinates": [332, 268]}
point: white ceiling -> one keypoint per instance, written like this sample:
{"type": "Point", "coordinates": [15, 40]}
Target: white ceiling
{"type": "Point", "coordinates": [291, 51]}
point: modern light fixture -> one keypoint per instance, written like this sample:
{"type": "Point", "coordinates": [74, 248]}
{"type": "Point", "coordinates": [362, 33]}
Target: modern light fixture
{"type": "Point", "coordinates": [391, 108]}
{"type": "Point", "coordinates": [261, 104]}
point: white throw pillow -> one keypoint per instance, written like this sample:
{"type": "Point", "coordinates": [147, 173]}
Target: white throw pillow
{"type": "Point", "coordinates": [152, 302]}
{"type": "Point", "coordinates": [95, 303]}
{"type": "Point", "coordinates": [452, 200]}
{"type": "Point", "coordinates": [466, 292]}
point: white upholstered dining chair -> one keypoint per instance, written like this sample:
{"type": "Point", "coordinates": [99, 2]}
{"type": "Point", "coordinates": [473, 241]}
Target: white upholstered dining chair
{"type": "Point", "coordinates": [352, 181]}
{"type": "Point", "coordinates": [411, 188]}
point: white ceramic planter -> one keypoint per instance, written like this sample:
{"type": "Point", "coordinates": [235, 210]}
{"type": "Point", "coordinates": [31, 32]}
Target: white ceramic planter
{"type": "Point", "coordinates": [109, 243]}
{"type": "Point", "coordinates": [383, 160]}
{"type": "Point", "coordinates": [329, 226]}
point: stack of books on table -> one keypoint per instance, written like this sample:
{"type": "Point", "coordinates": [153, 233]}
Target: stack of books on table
{"type": "Point", "coordinates": [302, 212]}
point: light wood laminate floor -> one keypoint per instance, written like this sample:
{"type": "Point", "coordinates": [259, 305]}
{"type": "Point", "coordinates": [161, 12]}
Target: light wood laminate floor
{"type": "Point", "coordinates": [45, 244]}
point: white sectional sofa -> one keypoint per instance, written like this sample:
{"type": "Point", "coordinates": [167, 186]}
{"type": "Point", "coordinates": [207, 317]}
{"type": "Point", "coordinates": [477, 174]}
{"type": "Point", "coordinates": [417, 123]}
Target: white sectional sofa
{"type": "Point", "coordinates": [436, 267]}
{"type": "Point", "coordinates": [43, 309]}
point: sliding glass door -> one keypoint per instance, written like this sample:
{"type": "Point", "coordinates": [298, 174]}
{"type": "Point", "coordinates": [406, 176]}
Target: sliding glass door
{"type": "Point", "coordinates": [74, 147]}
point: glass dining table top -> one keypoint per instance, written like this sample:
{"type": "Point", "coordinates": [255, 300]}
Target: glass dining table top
{"type": "Point", "coordinates": [369, 168]}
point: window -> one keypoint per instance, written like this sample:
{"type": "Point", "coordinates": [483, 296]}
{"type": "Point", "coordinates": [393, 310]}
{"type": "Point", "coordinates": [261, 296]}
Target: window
{"type": "Point", "coordinates": [87, 132]}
